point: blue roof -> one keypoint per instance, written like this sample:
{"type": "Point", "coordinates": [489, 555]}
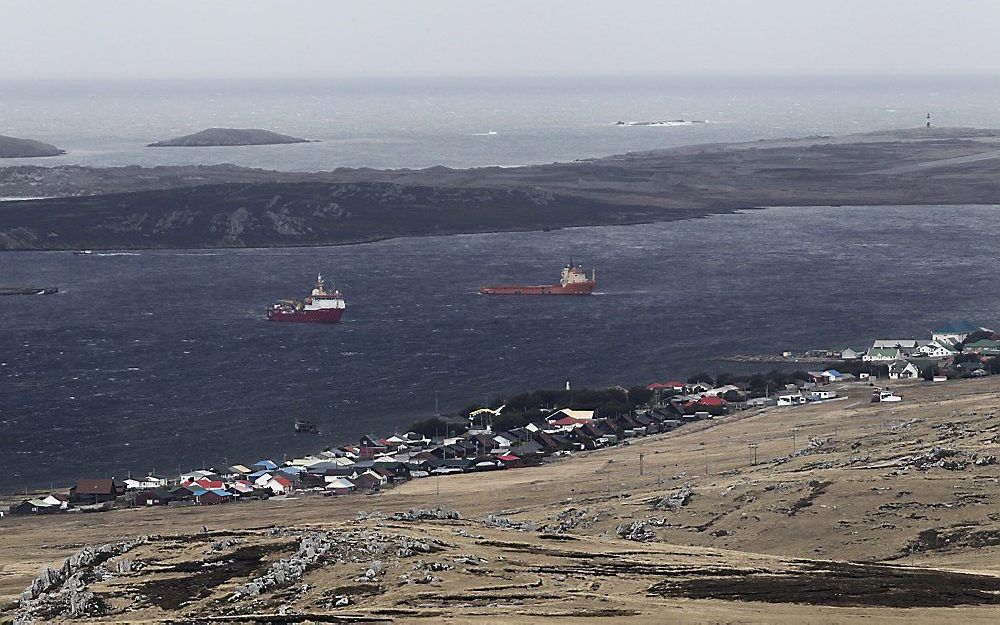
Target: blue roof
{"type": "Point", "coordinates": [834, 372]}
{"type": "Point", "coordinates": [222, 493]}
{"type": "Point", "coordinates": [257, 474]}
{"type": "Point", "coordinates": [957, 327]}
{"type": "Point", "coordinates": [291, 470]}
{"type": "Point", "coordinates": [267, 464]}
{"type": "Point", "coordinates": [198, 492]}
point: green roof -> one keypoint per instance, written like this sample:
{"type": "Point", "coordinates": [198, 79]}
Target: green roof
{"type": "Point", "coordinates": [884, 351]}
{"type": "Point", "coordinates": [984, 343]}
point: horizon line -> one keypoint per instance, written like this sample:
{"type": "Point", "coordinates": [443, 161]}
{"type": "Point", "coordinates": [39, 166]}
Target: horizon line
{"type": "Point", "coordinates": [742, 76]}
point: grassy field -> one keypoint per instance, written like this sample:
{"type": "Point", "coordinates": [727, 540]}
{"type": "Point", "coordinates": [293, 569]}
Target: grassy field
{"type": "Point", "coordinates": [835, 522]}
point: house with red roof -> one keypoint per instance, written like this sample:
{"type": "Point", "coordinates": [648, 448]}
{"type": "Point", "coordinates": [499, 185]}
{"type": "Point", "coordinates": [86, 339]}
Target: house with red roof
{"type": "Point", "coordinates": [670, 385]}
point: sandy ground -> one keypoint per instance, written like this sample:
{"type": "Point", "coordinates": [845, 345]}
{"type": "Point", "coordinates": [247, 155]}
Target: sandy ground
{"type": "Point", "coordinates": [768, 542]}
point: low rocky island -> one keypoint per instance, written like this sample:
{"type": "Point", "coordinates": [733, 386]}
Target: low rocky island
{"type": "Point", "coordinates": [13, 147]}
{"type": "Point", "coordinates": [221, 137]}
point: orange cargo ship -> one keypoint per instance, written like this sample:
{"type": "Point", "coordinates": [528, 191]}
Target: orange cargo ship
{"type": "Point", "coordinates": [574, 281]}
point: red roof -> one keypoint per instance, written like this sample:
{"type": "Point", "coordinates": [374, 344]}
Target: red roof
{"type": "Point", "coordinates": [284, 481]}
{"type": "Point", "coordinates": [710, 400]}
{"type": "Point", "coordinates": [508, 458]}
{"type": "Point", "coordinates": [569, 421]}
{"type": "Point", "coordinates": [670, 384]}
{"type": "Point", "coordinates": [208, 484]}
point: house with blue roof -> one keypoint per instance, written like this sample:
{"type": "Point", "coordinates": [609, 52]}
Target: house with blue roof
{"type": "Point", "coordinates": [213, 497]}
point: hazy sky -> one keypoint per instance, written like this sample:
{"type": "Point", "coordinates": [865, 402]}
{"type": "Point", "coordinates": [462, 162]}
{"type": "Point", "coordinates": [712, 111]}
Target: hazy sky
{"type": "Point", "coordinates": [332, 38]}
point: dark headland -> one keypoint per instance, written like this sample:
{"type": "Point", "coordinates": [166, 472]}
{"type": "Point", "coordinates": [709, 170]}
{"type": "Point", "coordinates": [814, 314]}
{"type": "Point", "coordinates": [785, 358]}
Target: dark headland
{"type": "Point", "coordinates": [229, 206]}
{"type": "Point", "coordinates": [216, 137]}
{"type": "Point", "coordinates": [13, 147]}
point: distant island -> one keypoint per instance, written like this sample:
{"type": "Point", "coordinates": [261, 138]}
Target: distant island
{"type": "Point", "coordinates": [216, 137]}
{"type": "Point", "coordinates": [210, 206]}
{"type": "Point", "coordinates": [12, 147]}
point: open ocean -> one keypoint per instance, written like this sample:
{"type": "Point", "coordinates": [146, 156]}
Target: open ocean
{"type": "Point", "coordinates": [163, 360]}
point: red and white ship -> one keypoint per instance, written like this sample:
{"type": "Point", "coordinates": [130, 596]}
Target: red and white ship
{"type": "Point", "coordinates": [321, 306]}
{"type": "Point", "coordinates": [574, 281]}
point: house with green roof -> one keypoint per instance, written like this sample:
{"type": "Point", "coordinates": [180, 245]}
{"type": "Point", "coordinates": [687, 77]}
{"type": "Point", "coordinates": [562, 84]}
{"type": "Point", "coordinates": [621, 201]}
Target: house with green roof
{"type": "Point", "coordinates": [882, 354]}
{"type": "Point", "coordinates": [984, 347]}
{"type": "Point", "coordinates": [937, 350]}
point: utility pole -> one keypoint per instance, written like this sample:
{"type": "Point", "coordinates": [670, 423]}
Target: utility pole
{"type": "Point", "coordinates": [640, 464]}
{"type": "Point", "coordinates": [753, 453]}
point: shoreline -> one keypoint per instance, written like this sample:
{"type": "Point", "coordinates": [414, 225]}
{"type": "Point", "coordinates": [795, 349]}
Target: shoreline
{"type": "Point", "coordinates": [529, 230]}
{"type": "Point", "coordinates": [223, 206]}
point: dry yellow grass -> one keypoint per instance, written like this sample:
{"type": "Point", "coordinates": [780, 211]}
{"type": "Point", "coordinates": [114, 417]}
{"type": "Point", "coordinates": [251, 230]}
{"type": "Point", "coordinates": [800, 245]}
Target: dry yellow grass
{"type": "Point", "coordinates": [755, 543]}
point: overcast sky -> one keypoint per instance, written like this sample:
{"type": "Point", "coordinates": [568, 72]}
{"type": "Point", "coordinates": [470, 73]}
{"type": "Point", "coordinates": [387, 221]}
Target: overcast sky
{"type": "Point", "coordinates": [331, 38]}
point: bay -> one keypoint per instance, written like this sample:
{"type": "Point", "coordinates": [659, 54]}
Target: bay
{"type": "Point", "coordinates": [164, 359]}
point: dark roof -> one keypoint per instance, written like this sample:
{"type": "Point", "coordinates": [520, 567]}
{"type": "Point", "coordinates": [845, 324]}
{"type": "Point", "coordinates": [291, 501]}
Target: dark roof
{"type": "Point", "coordinates": [957, 327]}
{"type": "Point", "coordinates": [96, 486]}
{"type": "Point", "coordinates": [526, 448]}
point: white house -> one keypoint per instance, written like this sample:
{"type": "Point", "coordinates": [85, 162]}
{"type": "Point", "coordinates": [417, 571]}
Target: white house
{"type": "Point", "coordinates": [822, 395]}
{"type": "Point", "coordinates": [194, 476]}
{"type": "Point", "coordinates": [791, 399]}
{"type": "Point", "coordinates": [150, 481]}
{"type": "Point", "coordinates": [277, 484]}
{"type": "Point", "coordinates": [721, 390]}
{"type": "Point", "coordinates": [905, 346]}
{"type": "Point", "coordinates": [339, 484]}
{"type": "Point", "coordinates": [900, 343]}
{"type": "Point", "coordinates": [882, 354]}
{"type": "Point", "coordinates": [903, 370]}
{"type": "Point", "coordinates": [52, 500]}
{"type": "Point", "coordinates": [851, 354]}
{"type": "Point", "coordinates": [936, 349]}
{"type": "Point", "coordinates": [954, 332]}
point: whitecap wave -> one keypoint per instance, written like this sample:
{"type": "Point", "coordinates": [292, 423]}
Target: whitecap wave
{"type": "Point", "coordinates": [666, 122]}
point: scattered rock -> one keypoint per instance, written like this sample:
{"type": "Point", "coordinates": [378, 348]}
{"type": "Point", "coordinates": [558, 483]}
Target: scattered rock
{"type": "Point", "coordinates": [420, 514]}
{"type": "Point", "coordinates": [635, 531]}
{"type": "Point", "coordinates": [505, 523]}
{"type": "Point", "coordinates": [311, 550]}
{"type": "Point", "coordinates": [675, 500]}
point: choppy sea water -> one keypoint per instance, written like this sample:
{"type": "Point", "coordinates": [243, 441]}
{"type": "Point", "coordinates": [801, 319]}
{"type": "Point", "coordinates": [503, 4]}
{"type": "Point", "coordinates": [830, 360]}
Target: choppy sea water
{"type": "Point", "coordinates": [163, 359]}
{"type": "Point", "coordinates": [461, 123]}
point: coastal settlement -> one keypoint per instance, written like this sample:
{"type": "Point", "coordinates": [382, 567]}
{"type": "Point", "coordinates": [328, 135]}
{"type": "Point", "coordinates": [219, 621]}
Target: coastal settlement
{"type": "Point", "coordinates": [508, 437]}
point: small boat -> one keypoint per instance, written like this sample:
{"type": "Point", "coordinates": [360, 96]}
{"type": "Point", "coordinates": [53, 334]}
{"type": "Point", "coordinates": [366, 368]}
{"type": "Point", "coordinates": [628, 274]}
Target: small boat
{"type": "Point", "coordinates": [306, 427]}
{"type": "Point", "coordinates": [83, 252]}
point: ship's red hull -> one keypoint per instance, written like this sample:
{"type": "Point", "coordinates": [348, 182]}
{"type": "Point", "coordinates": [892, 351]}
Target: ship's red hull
{"type": "Point", "coordinates": [328, 315]}
{"type": "Point", "coordinates": [578, 288]}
